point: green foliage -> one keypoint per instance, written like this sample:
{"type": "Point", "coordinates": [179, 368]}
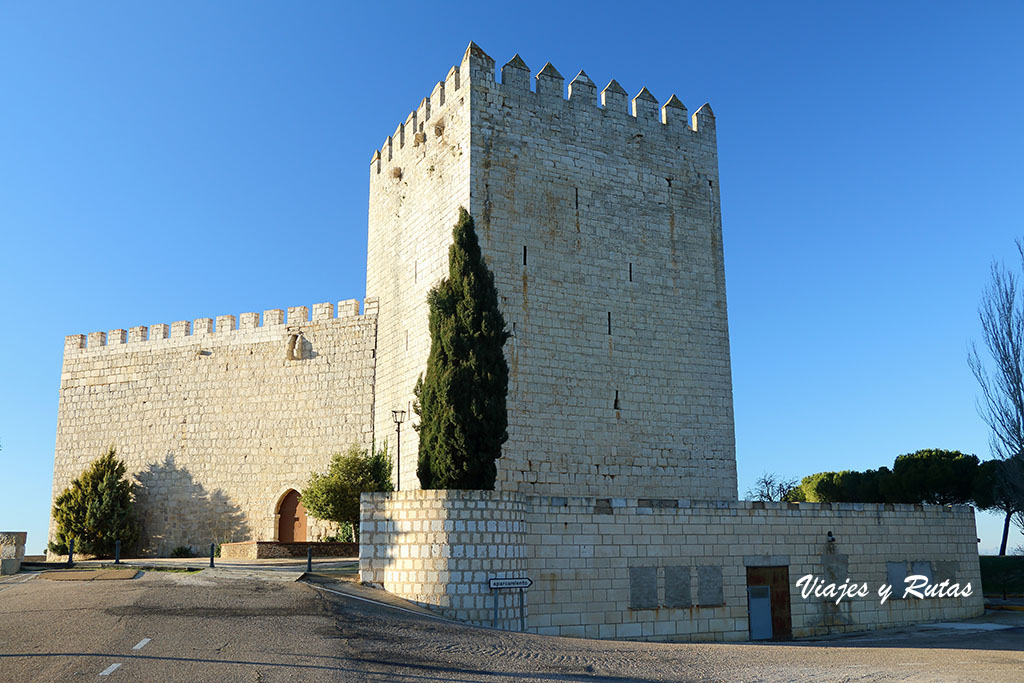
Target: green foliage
{"type": "Point", "coordinates": [1002, 576]}
{"type": "Point", "coordinates": [926, 476]}
{"type": "Point", "coordinates": [182, 551]}
{"type": "Point", "coordinates": [96, 510]}
{"type": "Point", "coordinates": [334, 495]}
{"type": "Point", "coordinates": [460, 399]}
{"type": "Point", "coordinates": [347, 533]}
{"type": "Point", "coordinates": [935, 476]}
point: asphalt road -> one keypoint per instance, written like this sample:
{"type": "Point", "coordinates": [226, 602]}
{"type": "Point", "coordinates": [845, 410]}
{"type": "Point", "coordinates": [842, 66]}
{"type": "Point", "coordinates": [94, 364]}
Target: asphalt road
{"type": "Point", "coordinates": [200, 627]}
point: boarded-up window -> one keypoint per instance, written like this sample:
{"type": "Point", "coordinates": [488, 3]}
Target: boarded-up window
{"type": "Point", "coordinates": [643, 587]}
{"type": "Point", "coordinates": [677, 587]}
{"type": "Point", "coordinates": [895, 575]}
{"type": "Point", "coordinates": [922, 568]}
{"type": "Point", "coordinates": [709, 586]}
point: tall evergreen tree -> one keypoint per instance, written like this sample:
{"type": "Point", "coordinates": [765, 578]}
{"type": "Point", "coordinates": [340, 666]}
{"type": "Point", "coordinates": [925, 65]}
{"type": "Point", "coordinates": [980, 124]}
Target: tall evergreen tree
{"type": "Point", "coordinates": [461, 398]}
{"type": "Point", "coordinates": [96, 510]}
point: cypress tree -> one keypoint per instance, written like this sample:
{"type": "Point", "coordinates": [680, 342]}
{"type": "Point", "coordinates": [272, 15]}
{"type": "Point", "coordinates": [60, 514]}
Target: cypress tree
{"type": "Point", "coordinates": [461, 398]}
{"type": "Point", "coordinates": [96, 510]}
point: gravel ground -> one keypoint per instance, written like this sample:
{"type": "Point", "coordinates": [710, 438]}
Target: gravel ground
{"type": "Point", "coordinates": [218, 627]}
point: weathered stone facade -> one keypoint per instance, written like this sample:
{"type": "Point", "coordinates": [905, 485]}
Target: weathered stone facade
{"type": "Point", "coordinates": [616, 491]}
{"type": "Point", "coordinates": [12, 551]}
{"type": "Point", "coordinates": [217, 424]}
{"type": "Point", "coordinates": [660, 568]}
{"type": "Point", "coordinates": [603, 230]}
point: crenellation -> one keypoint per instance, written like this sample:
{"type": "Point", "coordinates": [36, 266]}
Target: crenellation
{"type": "Point", "coordinates": [703, 121]}
{"type": "Point", "coordinates": [515, 76]}
{"type": "Point", "coordinates": [452, 81]}
{"type": "Point", "coordinates": [323, 311]}
{"type": "Point", "coordinates": [181, 328]}
{"type": "Point", "coordinates": [476, 66]}
{"type": "Point", "coordinates": [248, 321]}
{"type": "Point", "coordinates": [645, 106]}
{"type": "Point", "coordinates": [582, 91]}
{"type": "Point", "coordinates": [202, 326]}
{"type": "Point", "coordinates": [613, 98]}
{"type": "Point", "coordinates": [423, 113]}
{"type": "Point", "coordinates": [117, 337]}
{"type": "Point", "coordinates": [410, 126]}
{"type": "Point", "coordinates": [97, 339]}
{"type": "Point", "coordinates": [674, 115]}
{"type": "Point", "coordinates": [348, 308]}
{"type": "Point", "coordinates": [139, 333]}
{"type": "Point", "coordinates": [159, 331]}
{"type": "Point", "coordinates": [437, 97]}
{"type": "Point", "coordinates": [225, 323]}
{"type": "Point", "coordinates": [273, 316]}
{"type": "Point", "coordinates": [550, 83]}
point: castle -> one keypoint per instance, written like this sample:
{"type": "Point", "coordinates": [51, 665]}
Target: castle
{"type": "Point", "coordinates": [616, 489]}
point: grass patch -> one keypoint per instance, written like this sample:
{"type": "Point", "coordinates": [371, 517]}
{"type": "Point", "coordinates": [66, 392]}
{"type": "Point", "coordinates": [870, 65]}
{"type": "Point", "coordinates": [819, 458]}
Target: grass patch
{"type": "Point", "coordinates": [1002, 575]}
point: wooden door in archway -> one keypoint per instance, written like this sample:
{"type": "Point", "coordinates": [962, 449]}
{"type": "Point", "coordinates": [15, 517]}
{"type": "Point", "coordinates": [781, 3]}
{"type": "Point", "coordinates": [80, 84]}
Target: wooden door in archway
{"type": "Point", "coordinates": [291, 523]}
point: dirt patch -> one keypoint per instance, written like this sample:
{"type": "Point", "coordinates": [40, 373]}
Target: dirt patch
{"type": "Point", "coordinates": [90, 574]}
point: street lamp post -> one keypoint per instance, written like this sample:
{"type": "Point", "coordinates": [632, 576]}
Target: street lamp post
{"type": "Point", "coordinates": [399, 417]}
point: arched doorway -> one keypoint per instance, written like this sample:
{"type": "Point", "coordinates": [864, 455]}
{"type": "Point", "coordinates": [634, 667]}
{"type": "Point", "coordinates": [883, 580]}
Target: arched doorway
{"type": "Point", "coordinates": [291, 519]}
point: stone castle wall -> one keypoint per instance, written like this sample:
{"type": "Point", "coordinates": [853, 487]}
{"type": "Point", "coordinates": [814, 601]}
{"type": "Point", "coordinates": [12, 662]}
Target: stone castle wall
{"type": "Point", "coordinates": [418, 180]}
{"type": "Point", "coordinates": [662, 568]}
{"type": "Point", "coordinates": [217, 422]}
{"type": "Point", "coordinates": [603, 230]}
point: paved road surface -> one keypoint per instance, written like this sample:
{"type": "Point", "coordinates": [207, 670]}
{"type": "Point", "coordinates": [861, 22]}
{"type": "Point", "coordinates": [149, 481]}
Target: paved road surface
{"type": "Point", "coordinates": [204, 627]}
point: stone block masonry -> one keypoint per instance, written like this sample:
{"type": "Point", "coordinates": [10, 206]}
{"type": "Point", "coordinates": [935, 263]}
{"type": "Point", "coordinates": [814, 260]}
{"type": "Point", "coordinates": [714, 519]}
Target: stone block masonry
{"type": "Point", "coordinates": [439, 548]}
{"type": "Point", "coordinates": [12, 551]}
{"type": "Point", "coordinates": [660, 569]}
{"type": "Point", "coordinates": [217, 423]}
{"type": "Point", "coordinates": [602, 226]}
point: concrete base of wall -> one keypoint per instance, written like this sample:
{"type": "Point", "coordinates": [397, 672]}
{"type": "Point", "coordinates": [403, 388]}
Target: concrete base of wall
{"type": "Point", "coordinates": [256, 550]}
{"type": "Point", "coordinates": [664, 569]}
{"type": "Point", "coordinates": [9, 566]}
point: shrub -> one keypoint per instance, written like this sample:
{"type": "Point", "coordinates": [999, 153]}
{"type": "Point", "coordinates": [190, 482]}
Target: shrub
{"type": "Point", "coordinates": [96, 510]}
{"type": "Point", "coordinates": [182, 551]}
{"type": "Point", "coordinates": [334, 495]}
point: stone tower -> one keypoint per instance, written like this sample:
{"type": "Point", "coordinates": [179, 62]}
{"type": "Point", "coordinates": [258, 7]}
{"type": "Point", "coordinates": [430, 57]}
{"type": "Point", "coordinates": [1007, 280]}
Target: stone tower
{"type": "Point", "coordinates": [601, 222]}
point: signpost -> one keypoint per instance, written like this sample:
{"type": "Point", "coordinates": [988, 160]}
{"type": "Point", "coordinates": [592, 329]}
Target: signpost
{"type": "Point", "coordinates": [519, 582]}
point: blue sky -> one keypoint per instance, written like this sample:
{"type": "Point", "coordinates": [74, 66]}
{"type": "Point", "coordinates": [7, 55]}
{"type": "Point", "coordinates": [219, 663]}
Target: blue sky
{"type": "Point", "coordinates": [161, 163]}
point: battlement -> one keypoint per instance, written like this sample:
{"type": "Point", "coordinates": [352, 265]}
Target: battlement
{"type": "Point", "coordinates": [199, 328]}
{"type": "Point", "coordinates": [425, 124]}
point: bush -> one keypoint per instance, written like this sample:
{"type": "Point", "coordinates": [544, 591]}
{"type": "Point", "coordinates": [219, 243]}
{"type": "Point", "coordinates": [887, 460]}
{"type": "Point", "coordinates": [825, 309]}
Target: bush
{"type": "Point", "coordinates": [334, 495]}
{"type": "Point", "coordinates": [96, 510]}
{"type": "Point", "coordinates": [182, 551]}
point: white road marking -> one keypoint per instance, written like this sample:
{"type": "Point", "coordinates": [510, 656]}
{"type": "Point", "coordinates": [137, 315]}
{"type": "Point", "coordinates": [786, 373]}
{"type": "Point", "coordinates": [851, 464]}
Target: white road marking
{"type": "Point", "coordinates": [142, 644]}
{"type": "Point", "coordinates": [16, 579]}
{"type": "Point", "coordinates": [109, 670]}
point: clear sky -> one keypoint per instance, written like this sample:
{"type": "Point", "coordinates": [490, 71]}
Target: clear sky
{"type": "Point", "coordinates": [195, 159]}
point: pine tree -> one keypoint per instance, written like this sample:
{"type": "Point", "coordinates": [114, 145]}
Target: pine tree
{"type": "Point", "coordinates": [461, 398]}
{"type": "Point", "coordinates": [96, 510]}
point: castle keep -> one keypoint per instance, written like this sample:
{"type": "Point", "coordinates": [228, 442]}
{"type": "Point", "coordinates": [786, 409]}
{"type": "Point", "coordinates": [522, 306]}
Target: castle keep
{"type": "Point", "coordinates": [599, 215]}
